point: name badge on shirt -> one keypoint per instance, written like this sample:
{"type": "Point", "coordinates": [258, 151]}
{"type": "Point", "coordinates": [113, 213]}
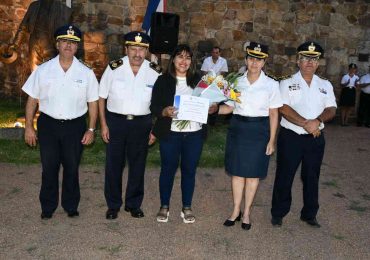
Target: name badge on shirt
{"type": "Point", "coordinates": [294, 87]}
{"type": "Point", "coordinates": [323, 91]}
{"type": "Point", "coordinates": [149, 86]}
{"type": "Point", "coordinates": [78, 81]}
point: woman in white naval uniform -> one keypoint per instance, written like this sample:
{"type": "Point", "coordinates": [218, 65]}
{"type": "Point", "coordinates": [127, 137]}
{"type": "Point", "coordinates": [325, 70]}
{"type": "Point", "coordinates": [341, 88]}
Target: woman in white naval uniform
{"type": "Point", "coordinates": [347, 99]}
{"type": "Point", "coordinates": [251, 136]}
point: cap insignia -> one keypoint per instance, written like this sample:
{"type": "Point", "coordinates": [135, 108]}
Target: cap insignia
{"type": "Point", "coordinates": [70, 31]}
{"type": "Point", "coordinates": [258, 48]}
{"type": "Point", "coordinates": [138, 38]}
{"type": "Point", "coordinates": [311, 47]}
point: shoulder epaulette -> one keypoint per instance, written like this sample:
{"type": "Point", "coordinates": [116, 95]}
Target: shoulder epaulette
{"type": "Point", "coordinates": [272, 76]}
{"type": "Point", "coordinates": [155, 67]}
{"type": "Point", "coordinates": [284, 77]}
{"type": "Point", "coordinates": [115, 64]}
{"type": "Point", "coordinates": [86, 64]}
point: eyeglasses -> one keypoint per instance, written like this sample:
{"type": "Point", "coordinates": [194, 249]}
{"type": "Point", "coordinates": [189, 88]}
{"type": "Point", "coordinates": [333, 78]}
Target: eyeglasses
{"type": "Point", "coordinates": [307, 59]}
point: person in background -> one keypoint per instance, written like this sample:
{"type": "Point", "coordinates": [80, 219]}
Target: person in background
{"type": "Point", "coordinates": [347, 101]}
{"type": "Point", "coordinates": [65, 90]}
{"type": "Point", "coordinates": [215, 62]}
{"type": "Point", "coordinates": [251, 135]}
{"type": "Point", "coordinates": [363, 116]}
{"type": "Point", "coordinates": [177, 143]}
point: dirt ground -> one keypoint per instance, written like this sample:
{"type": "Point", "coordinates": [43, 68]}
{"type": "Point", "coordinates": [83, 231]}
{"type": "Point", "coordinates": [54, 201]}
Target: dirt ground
{"type": "Point", "coordinates": [344, 215]}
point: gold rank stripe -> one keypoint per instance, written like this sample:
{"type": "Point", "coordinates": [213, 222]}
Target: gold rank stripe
{"type": "Point", "coordinates": [69, 37]}
{"type": "Point", "coordinates": [257, 53]}
{"type": "Point", "coordinates": [137, 43]}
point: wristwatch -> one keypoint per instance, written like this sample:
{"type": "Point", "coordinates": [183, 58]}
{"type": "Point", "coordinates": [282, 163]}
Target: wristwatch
{"type": "Point", "coordinates": [91, 130]}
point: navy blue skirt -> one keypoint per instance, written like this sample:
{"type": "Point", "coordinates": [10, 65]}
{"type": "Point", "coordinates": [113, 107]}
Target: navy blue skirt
{"type": "Point", "coordinates": [246, 143]}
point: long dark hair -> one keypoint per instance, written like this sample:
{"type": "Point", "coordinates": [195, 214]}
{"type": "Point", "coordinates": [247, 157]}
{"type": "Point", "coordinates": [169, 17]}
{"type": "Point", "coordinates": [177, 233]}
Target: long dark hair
{"type": "Point", "coordinates": [191, 73]}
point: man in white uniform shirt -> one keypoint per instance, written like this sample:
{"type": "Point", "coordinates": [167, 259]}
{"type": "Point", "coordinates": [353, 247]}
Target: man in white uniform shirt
{"type": "Point", "coordinates": [65, 90]}
{"type": "Point", "coordinates": [215, 62]}
{"type": "Point", "coordinates": [309, 101]}
{"type": "Point", "coordinates": [363, 116]}
{"type": "Point", "coordinates": [124, 99]}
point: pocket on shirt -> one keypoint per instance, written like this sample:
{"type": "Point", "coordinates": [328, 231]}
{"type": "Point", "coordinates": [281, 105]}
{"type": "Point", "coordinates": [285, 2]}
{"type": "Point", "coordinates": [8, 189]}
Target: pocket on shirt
{"type": "Point", "coordinates": [49, 88]}
{"type": "Point", "coordinates": [119, 89]}
{"type": "Point", "coordinates": [295, 97]}
{"type": "Point", "coordinates": [147, 95]}
{"type": "Point", "coordinates": [80, 86]}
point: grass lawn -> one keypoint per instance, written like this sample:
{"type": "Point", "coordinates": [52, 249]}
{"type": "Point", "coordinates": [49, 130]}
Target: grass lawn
{"type": "Point", "coordinates": [16, 151]}
{"type": "Point", "coordinates": [10, 110]}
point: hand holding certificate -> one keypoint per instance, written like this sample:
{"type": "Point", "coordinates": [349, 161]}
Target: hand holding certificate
{"type": "Point", "coordinates": [191, 108]}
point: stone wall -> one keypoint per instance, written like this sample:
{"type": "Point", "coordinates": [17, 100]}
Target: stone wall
{"type": "Point", "coordinates": [342, 27]}
{"type": "Point", "coordinates": [12, 75]}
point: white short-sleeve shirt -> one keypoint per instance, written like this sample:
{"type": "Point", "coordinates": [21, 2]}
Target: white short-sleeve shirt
{"type": "Point", "coordinates": [257, 98]}
{"type": "Point", "coordinates": [218, 67]}
{"type": "Point", "coordinates": [62, 95]}
{"type": "Point", "coordinates": [352, 80]}
{"type": "Point", "coordinates": [365, 79]}
{"type": "Point", "coordinates": [307, 101]}
{"type": "Point", "coordinates": [128, 94]}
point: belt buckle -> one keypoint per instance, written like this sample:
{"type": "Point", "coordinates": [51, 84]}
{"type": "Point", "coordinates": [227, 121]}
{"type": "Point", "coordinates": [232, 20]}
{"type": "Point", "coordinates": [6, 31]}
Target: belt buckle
{"type": "Point", "coordinates": [130, 117]}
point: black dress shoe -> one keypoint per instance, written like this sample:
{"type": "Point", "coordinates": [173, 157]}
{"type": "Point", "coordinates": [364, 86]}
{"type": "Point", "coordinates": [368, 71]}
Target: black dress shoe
{"type": "Point", "coordinates": [276, 221]}
{"type": "Point", "coordinates": [45, 215]}
{"type": "Point", "coordinates": [111, 214]}
{"type": "Point", "coordinates": [135, 212]}
{"type": "Point", "coordinates": [246, 226]}
{"type": "Point", "coordinates": [312, 222]}
{"type": "Point", "coordinates": [73, 213]}
{"type": "Point", "coordinates": [229, 223]}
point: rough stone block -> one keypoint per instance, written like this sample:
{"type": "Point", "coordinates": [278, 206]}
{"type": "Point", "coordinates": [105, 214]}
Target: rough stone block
{"type": "Point", "coordinates": [207, 7]}
{"type": "Point", "coordinates": [12, 133]}
{"type": "Point", "coordinates": [197, 20]}
{"type": "Point", "coordinates": [220, 7]}
{"type": "Point", "coordinates": [234, 5]}
{"type": "Point", "coordinates": [239, 35]}
{"type": "Point", "coordinates": [290, 51]}
{"type": "Point", "coordinates": [230, 15]}
{"type": "Point", "coordinates": [115, 20]}
{"type": "Point", "coordinates": [224, 37]}
{"type": "Point", "coordinates": [247, 27]}
{"type": "Point", "coordinates": [245, 15]}
{"type": "Point", "coordinates": [214, 21]}
{"type": "Point", "coordinates": [95, 37]}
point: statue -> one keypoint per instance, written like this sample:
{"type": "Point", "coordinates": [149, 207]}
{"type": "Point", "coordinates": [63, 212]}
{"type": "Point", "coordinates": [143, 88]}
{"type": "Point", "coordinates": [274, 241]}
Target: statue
{"type": "Point", "coordinates": [40, 21]}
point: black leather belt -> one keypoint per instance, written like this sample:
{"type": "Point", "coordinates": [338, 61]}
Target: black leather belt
{"type": "Point", "coordinates": [250, 118]}
{"type": "Point", "coordinates": [128, 117]}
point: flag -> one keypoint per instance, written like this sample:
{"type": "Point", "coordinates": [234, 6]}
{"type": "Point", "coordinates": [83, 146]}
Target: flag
{"type": "Point", "coordinates": [153, 6]}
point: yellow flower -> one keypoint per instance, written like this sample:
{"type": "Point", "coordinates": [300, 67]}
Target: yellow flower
{"type": "Point", "coordinates": [234, 95]}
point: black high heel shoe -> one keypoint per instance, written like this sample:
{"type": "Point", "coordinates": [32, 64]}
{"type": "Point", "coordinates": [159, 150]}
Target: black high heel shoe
{"type": "Point", "coordinates": [229, 223]}
{"type": "Point", "coordinates": [246, 226]}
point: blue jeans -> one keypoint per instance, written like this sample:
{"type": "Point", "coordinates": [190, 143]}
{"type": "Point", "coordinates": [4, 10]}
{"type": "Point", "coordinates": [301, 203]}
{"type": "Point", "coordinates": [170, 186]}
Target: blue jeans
{"type": "Point", "coordinates": [188, 146]}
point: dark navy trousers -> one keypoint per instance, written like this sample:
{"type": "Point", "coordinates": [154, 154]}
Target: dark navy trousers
{"type": "Point", "coordinates": [60, 144]}
{"type": "Point", "coordinates": [176, 146]}
{"type": "Point", "coordinates": [293, 150]}
{"type": "Point", "coordinates": [127, 139]}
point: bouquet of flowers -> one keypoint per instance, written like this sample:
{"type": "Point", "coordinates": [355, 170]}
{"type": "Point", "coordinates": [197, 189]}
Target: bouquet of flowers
{"type": "Point", "coordinates": [217, 88]}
